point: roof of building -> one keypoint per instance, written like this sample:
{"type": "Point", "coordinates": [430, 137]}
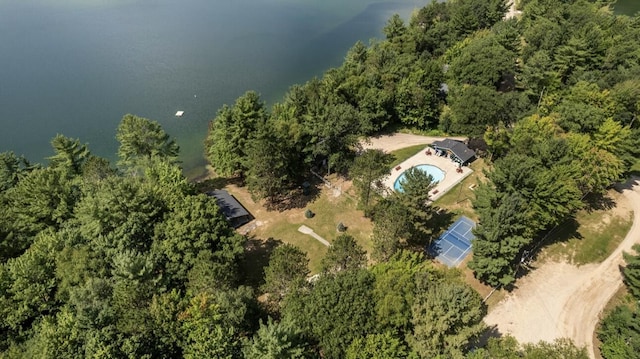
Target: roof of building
{"type": "Point", "coordinates": [458, 148]}
{"type": "Point", "coordinates": [228, 204]}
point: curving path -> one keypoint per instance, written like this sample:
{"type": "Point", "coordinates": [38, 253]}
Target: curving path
{"type": "Point", "coordinates": [578, 319]}
{"type": "Point", "coordinates": [561, 300]}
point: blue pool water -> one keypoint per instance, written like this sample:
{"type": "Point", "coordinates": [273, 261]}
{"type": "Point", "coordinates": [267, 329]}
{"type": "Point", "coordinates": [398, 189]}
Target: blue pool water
{"type": "Point", "coordinates": [435, 172]}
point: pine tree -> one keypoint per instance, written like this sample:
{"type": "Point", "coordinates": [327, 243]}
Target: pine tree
{"type": "Point", "coordinates": [141, 139]}
{"type": "Point", "coordinates": [500, 237]}
{"type": "Point", "coordinates": [632, 272]}
{"type": "Point", "coordinates": [231, 133]}
{"type": "Point", "coordinates": [344, 254]}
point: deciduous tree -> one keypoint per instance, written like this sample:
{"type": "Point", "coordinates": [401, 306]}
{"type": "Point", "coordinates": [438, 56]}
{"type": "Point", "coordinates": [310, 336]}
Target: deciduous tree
{"type": "Point", "coordinates": [277, 340]}
{"type": "Point", "coordinates": [378, 346]}
{"type": "Point", "coordinates": [632, 272]}
{"type": "Point", "coordinates": [196, 224]}
{"type": "Point", "coordinates": [507, 347]}
{"type": "Point", "coordinates": [203, 331]}
{"type": "Point", "coordinates": [446, 318]}
{"type": "Point", "coordinates": [335, 311]}
{"type": "Point", "coordinates": [560, 348]}
{"type": "Point", "coordinates": [395, 289]}
{"type": "Point", "coordinates": [474, 108]}
{"type": "Point", "coordinates": [483, 62]}
{"type": "Point", "coordinates": [288, 268]}
{"type": "Point", "coordinates": [619, 333]}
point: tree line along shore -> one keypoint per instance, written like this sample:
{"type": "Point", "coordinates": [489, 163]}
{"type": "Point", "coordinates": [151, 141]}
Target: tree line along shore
{"type": "Point", "coordinates": [129, 259]}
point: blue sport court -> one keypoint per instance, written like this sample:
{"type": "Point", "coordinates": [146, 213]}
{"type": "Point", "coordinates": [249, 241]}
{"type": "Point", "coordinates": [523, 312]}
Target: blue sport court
{"type": "Point", "coordinates": [455, 243]}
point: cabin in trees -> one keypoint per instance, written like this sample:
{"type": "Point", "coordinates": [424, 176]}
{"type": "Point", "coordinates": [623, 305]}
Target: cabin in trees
{"type": "Point", "coordinates": [233, 210]}
{"type": "Point", "coordinates": [456, 150]}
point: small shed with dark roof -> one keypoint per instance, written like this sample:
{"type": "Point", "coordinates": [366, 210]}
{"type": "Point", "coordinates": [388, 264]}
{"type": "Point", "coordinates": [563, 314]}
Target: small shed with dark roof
{"type": "Point", "coordinates": [233, 210]}
{"type": "Point", "coordinates": [457, 150]}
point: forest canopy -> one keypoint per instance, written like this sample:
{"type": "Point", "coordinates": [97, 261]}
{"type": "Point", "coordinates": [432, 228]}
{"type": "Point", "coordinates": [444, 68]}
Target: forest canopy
{"type": "Point", "coordinates": [130, 260]}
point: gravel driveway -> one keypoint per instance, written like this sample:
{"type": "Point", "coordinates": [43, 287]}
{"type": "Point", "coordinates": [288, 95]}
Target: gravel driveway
{"type": "Point", "coordinates": [560, 300]}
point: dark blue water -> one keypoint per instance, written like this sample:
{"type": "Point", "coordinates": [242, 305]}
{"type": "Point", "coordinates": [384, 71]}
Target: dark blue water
{"type": "Point", "coordinates": [76, 67]}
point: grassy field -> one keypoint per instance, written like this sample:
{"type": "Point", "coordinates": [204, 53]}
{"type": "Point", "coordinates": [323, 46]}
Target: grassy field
{"type": "Point", "coordinates": [590, 238]}
{"type": "Point", "coordinates": [329, 210]}
{"type": "Point", "coordinates": [458, 199]}
{"type": "Point", "coordinates": [403, 154]}
{"type": "Point", "coordinates": [593, 235]}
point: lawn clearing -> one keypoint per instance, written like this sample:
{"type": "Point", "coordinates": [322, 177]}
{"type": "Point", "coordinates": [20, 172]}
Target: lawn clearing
{"type": "Point", "coordinates": [458, 199]}
{"type": "Point", "coordinates": [486, 292]}
{"type": "Point", "coordinates": [593, 235]}
{"type": "Point", "coordinates": [329, 210]}
{"type": "Point", "coordinates": [403, 154]}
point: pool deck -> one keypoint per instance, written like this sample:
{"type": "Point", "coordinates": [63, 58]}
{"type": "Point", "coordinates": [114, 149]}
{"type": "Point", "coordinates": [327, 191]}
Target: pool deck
{"type": "Point", "coordinates": [451, 177]}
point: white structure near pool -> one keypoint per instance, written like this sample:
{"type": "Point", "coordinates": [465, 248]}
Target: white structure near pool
{"type": "Point", "coordinates": [445, 171]}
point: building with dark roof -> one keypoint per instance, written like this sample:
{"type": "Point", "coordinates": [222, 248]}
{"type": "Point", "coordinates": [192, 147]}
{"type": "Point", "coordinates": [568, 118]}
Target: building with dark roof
{"type": "Point", "coordinates": [233, 210]}
{"type": "Point", "coordinates": [456, 150]}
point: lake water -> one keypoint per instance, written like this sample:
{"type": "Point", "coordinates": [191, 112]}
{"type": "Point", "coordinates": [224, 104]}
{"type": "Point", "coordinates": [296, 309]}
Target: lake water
{"type": "Point", "coordinates": [75, 67]}
{"type": "Point", "coordinates": [627, 7]}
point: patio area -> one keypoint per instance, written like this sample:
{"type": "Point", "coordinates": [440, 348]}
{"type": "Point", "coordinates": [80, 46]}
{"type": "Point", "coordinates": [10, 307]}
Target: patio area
{"type": "Point", "coordinates": [450, 168]}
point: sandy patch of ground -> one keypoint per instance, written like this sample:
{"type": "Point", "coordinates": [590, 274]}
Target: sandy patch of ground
{"type": "Point", "coordinates": [560, 300]}
{"type": "Point", "coordinates": [512, 11]}
{"type": "Point", "coordinates": [397, 141]}
{"type": "Point", "coordinates": [621, 209]}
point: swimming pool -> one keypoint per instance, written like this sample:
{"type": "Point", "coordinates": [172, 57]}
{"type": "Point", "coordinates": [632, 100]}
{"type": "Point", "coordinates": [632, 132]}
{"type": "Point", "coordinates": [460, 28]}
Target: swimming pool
{"type": "Point", "coordinates": [435, 172]}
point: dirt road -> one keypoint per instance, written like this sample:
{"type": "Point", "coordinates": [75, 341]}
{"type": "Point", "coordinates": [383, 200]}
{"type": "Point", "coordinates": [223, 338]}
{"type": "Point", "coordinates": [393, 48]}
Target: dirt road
{"type": "Point", "coordinates": [561, 300]}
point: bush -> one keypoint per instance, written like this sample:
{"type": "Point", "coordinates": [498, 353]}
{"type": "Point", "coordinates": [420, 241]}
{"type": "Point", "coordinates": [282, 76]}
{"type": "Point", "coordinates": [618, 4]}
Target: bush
{"type": "Point", "coordinates": [341, 227]}
{"type": "Point", "coordinates": [309, 214]}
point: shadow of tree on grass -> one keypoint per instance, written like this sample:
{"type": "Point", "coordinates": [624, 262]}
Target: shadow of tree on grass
{"type": "Point", "coordinates": [598, 202]}
{"type": "Point", "coordinates": [298, 197]}
{"type": "Point", "coordinates": [256, 258]}
{"type": "Point", "coordinates": [211, 184]}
